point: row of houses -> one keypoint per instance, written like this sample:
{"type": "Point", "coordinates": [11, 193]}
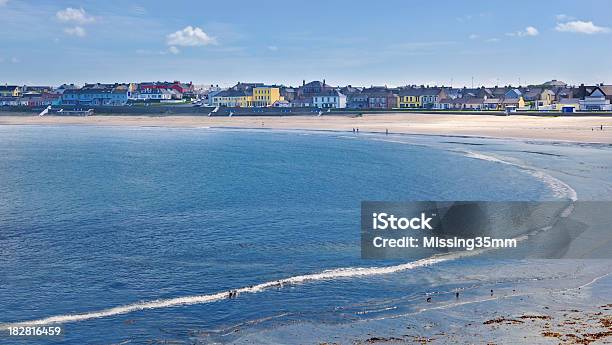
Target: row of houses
{"type": "Point", "coordinates": [97, 94]}
{"type": "Point", "coordinates": [29, 96]}
{"type": "Point", "coordinates": [122, 94]}
{"type": "Point", "coordinates": [550, 96]}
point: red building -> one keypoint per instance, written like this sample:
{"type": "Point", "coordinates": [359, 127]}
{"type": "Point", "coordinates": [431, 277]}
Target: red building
{"type": "Point", "coordinates": [176, 85]}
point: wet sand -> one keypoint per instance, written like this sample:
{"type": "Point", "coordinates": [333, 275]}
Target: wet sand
{"type": "Point", "coordinates": [575, 128]}
{"type": "Point", "coordinates": [577, 315]}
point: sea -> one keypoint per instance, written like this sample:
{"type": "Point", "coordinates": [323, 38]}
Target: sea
{"type": "Point", "coordinates": [135, 235]}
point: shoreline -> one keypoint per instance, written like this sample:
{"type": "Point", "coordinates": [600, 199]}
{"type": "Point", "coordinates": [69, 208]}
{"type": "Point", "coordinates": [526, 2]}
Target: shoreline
{"type": "Point", "coordinates": [585, 129]}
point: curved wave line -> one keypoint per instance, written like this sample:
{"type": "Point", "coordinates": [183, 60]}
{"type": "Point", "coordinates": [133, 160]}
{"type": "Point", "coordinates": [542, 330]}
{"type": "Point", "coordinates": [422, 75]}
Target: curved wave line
{"type": "Point", "coordinates": [560, 188]}
{"type": "Point", "coordinates": [209, 298]}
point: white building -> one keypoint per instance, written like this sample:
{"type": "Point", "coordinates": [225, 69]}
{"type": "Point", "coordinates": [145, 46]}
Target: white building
{"type": "Point", "coordinates": [152, 94]}
{"type": "Point", "coordinates": [595, 101]}
{"type": "Point", "coordinates": [329, 99]}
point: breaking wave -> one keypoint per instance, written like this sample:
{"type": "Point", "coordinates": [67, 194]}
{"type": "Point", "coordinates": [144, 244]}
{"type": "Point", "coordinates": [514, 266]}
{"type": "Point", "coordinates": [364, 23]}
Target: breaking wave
{"type": "Point", "coordinates": [209, 298]}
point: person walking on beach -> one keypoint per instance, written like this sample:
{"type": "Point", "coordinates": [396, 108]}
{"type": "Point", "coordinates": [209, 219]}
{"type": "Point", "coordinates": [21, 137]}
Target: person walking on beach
{"type": "Point", "coordinates": [601, 127]}
{"type": "Point", "coordinates": [457, 295]}
{"type": "Point", "coordinates": [357, 129]}
{"type": "Point", "coordinates": [386, 131]}
{"type": "Point", "coordinates": [353, 129]}
{"type": "Point", "coordinates": [491, 292]}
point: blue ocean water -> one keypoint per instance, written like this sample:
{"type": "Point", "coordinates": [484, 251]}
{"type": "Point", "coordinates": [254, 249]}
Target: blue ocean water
{"type": "Point", "coordinates": [98, 217]}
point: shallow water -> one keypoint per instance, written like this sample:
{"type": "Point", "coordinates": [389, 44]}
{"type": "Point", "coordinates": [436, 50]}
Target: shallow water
{"type": "Point", "coordinates": [93, 218]}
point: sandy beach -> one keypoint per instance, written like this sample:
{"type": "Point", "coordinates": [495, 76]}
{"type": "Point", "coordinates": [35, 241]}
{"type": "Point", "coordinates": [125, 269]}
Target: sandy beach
{"type": "Point", "coordinates": [574, 128]}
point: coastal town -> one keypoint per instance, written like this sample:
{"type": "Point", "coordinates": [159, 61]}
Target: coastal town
{"type": "Point", "coordinates": [550, 96]}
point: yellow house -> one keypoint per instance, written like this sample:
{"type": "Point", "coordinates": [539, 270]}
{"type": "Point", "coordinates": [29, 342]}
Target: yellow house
{"type": "Point", "coordinates": [233, 98]}
{"type": "Point", "coordinates": [10, 90]}
{"type": "Point", "coordinates": [409, 98]}
{"type": "Point", "coordinates": [265, 96]}
{"type": "Point", "coordinates": [547, 97]}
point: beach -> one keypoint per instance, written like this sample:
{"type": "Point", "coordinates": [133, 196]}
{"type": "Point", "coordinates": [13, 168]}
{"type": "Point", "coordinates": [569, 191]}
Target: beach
{"type": "Point", "coordinates": [585, 129]}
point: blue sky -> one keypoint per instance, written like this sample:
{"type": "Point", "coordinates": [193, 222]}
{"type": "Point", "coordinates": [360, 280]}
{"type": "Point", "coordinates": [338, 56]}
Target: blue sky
{"type": "Point", "coordinates": [345, 42]}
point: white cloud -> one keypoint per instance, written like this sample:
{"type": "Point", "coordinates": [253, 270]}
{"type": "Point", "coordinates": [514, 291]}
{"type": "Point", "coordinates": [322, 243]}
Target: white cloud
{"type": "Point", "coordinates": [190, 37]}
{"type": "Point", "coordinates": [76, 31]}
{"type": "Point", "coordinates": [14, 60]}
{"type": "Point", "coordinates": [581, 27]}
{"type": "Point", "coordinates": [564, 17]}
{"type": "Point", "coordinates": [529, 31]}
{"type": "Point", "coordinates": [174, 50]}
{"type": "Point", "coordinates": [273, 48]}
{"type": "Point", "coordinates": [473, 36]}
{"type": "Point", "coordinates": [76, 15]}
{"type": "Point", "coordinates": [492, 40]}
{"type": "Point", "coordinates": [3, 2]}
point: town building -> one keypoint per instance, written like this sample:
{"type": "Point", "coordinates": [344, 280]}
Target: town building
{"type": "Point", "coordinates": [181, 89]}
{"type": "Point", "coordinates": [96, 97]}
{"type": "Point", "coordinates": [60, 89]}
{"type": "Point", "coordinates": [380, 98]}
{"type": "Point", "coordinates": [175, 85]}
{"type": "Point", "coordinates": [358, 100]}
{"type": "Point", "coordinates": [32, 99]}
{"type": "Point", "coordinates": [288, 93]}
{"type": "Point", "coordinates": [10, 90]}
{"type": "Point", "coordinates": [538, 98]}
{"type": "Point", "coordinates": [480, 92]}
{"type": "Point", "coordinates": [147, 95]}
{"type": "Point", "coordinates": [282, 104]}
{"type": "Point", "coordinates": [313, 88]}
{"type": "Point", "coordinates": [595, 100]}
{"type": "Point", "coordinates": [36, 89]}
{"type": "Point", "coordinates": [265, 96]}
{"type": "Point", "coordinates": [302, 102]}
{"type": "Point", "coordinates": [430, 96]}
{"type": "Point", "coordinates": [512, 93]}
{"type": "Point", "coordinates": [329, 99]}
{"type": "Point", "coordinates": [466, 103]}
{"type": "Point", "coordinates": [566, 105]}
{"type": "Point", "coordinates": [233, 98]}
{"type": "Point", "coordinates": [409, 98]}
